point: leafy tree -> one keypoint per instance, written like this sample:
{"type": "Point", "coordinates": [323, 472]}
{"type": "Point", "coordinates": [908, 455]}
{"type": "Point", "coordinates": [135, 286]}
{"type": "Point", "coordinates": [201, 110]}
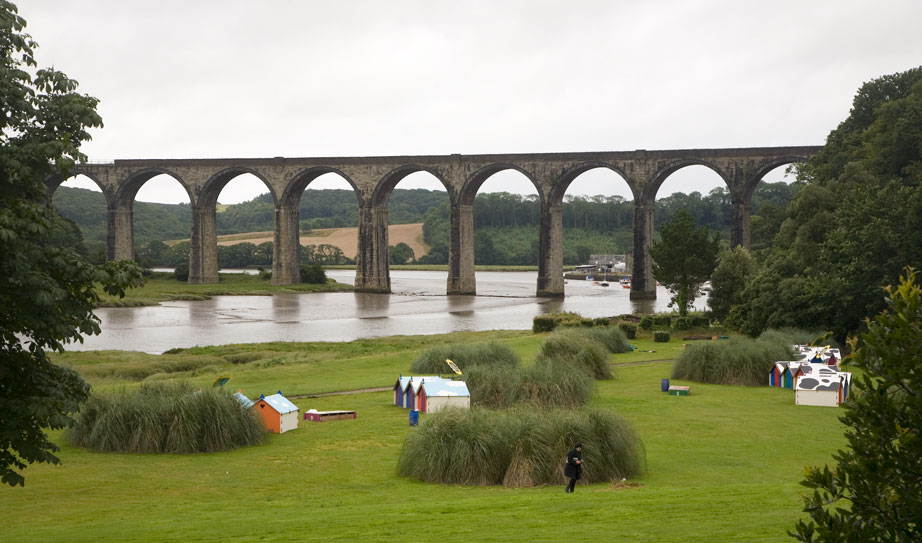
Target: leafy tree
{"type": "Point", "coordinates": [735, 269]}
{"type": "Point", "coordinates": [47, 289]}
{"type": "Point", "coordinates": [683, 259]}
{"type": "Point", "coordinates": [854, 225]}
{"type": "Point", "coordinates": [878, 475]}
{"type": "Point", "coordinates": [313, 273]}
{"type": "Point", "coordinates": [400, 253]}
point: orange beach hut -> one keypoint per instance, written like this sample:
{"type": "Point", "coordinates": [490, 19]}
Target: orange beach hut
{"type": "Point", "coordinates": [278, 413]}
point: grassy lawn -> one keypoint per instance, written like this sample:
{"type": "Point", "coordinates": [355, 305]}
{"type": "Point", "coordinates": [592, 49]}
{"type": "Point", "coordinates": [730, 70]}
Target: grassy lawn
{"type": "Point", "coordinates": [162, 287]}
{"type": "Point", "coordinates": [723, 464]}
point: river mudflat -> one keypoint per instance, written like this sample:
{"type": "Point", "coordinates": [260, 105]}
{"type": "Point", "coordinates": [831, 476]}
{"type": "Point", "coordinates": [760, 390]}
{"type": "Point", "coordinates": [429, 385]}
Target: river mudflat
{"type": "Point", "coordinates": [418, 305]}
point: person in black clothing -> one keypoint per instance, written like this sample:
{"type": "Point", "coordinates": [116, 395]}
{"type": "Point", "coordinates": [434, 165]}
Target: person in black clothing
{"type": "Point", "coordinates": [574, 466]}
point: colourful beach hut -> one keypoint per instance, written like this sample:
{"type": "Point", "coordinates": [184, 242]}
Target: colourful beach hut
{"type": "Point", "coordinates": [278, 413]}
{"type": "Point", "coordinates": [776, 374]}
{"type": "Point", "coordinates": [435, 395]}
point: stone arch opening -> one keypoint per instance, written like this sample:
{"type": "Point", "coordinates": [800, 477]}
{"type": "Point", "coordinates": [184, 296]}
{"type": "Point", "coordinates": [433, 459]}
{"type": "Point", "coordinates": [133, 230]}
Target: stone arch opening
{"type": "Point", "coordinates": [597, 211]}
{"type": "Point", "coordinates": [506, 217]}
{"type": "Point", "coordinates": [152, 217]}
{"type": "Point", "coordinates": [769, 193]}
{"type": "Point", "coordinates": [316, 223]}
{"type": "Point", "coordinates": [249, 188]}
{"type": "Point", "coordinates": [701, 189]}
{"type": "Point", "coordinates": [412, 196]}
{"type": "Point", "coordinates": [83, 199]}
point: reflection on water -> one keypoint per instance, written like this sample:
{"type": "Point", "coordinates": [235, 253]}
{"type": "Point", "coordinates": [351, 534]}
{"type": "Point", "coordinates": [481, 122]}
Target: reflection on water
{"type": "Point", "coordinates": [418, 305]}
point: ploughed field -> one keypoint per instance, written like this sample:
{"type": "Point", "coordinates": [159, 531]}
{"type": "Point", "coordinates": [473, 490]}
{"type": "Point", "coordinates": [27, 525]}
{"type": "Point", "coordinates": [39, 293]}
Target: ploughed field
{"type": "Point", "coordinates": [724, 463]}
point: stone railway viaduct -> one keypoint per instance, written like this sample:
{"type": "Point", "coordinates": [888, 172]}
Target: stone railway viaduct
{"type": "Point", "coordinates": [374, 178]}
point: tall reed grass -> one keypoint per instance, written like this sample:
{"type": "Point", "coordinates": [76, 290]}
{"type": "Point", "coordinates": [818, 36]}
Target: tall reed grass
{"type": "Point", "coordinates": [570, 346]}
{"type": "Point", "coordinates": [165, 418]}
{"type": "Point", "coordinates": [612, 338]}
{"type": "Point", "coordinates": [552, 384]}
{"type": "Point", "coordinates": [520, 447]}
{"type": "Point", "coordinates": [465, 356]}
{"type": "Point", "coordinates": [739, 361]}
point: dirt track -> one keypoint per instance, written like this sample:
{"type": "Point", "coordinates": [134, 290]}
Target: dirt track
{"type": "Point", "coordinates": [344, 238]}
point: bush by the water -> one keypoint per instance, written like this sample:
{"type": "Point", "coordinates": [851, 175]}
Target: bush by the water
{"type": "Point", "coordinates": [738, 361]}
{"type": "Point", "coordinates": [661, 336]}
{"type": "Point", "coordinates": [165, 418]}
{"type": "Point", "coordinates": [465, 356]}
{"type": "Point", "coordinates": [571, 347]}
{"type": "Point", "coordinates": [520, 447]}
{"type": "Point", "coordinates": [313, 274]}
{"type": "Point", "coordinates": [629, 329]}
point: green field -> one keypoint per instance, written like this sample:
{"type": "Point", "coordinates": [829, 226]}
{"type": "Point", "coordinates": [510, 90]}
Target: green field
{"type": "Point", "coordinates": [161, 287]}
{"type": "Point", "coordinates": [723, 464]}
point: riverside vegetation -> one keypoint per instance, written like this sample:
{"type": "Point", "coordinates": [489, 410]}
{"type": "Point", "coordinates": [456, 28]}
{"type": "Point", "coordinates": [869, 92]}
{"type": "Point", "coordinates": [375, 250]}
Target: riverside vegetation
{"type": "Point", "coordinates": [339, 482]}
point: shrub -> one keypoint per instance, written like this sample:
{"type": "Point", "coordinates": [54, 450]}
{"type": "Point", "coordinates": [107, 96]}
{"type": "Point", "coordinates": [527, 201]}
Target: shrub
{"type": "Point", "coordinates": [661, 336]}
{"type": "Point", "coordinates": [264, 274]}
{"type": "Point", "coordinates": [464, 355]}
{"type": "Point", "coordinates": [313, 274]}
{"type": "Point", "coordinates": [733, 362]}
{"type": "Point", "coordinates": [543, 323]}
{"type": "Point", "coordinates": [556, 384]}
{"type": "Point", "coordinates": [682, 323]}
{"type": "Point", "coordinates": [629, 329]}
{"type": "Point", "coordinates": [571, 347]}
{"type": "Point", "coordinates": [165, 418]}
{"type": "Point", "coordinates": [181, 273]}
{"type": "Point", "coordinates": [646, 323]}
{"type": "Point", "coordinates": [662, 320]}
{"type": "Point", "coordinates": [586, 323]}
{"type": "Point", "coordinates": [519, 447]}
{"type": "Point", "coordinates": [700, 321]}
{"type": "Point", "coordinates": [601, 321]}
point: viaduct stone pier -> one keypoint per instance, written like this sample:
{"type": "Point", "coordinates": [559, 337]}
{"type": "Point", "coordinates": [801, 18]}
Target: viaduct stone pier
{"type": "Point", "coordinates": [374, 179]}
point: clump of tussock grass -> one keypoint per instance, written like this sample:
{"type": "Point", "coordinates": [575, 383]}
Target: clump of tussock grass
{"type": "Point", "coordinates": [552, 384]}
{"type": "Point", "coordinates": [165, 418]}
{"type": "Point", "coordinates": [496, 387]}
{"type": "Point", "coordinates": [798, 336]}
{"type": "Point", "coordinates": [612, 338]}
{"type": "Point", "coordinates": [520, 447]}
{"type": "Point", "coordinates": [465, 355]}
{"type": "Point", "coordinates": [570, 346]}
{"type": "Point", "coordinates": [734, 362]}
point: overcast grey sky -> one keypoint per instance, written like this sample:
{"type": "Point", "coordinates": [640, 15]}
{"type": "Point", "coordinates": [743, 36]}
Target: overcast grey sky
{"type": "Point", "coordinates": [234, 78]}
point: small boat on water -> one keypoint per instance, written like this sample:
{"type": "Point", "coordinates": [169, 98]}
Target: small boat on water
{"type": "Point", "coordinates": [603, 284]}
{"type": "Point", "coordinates": [626, 283]}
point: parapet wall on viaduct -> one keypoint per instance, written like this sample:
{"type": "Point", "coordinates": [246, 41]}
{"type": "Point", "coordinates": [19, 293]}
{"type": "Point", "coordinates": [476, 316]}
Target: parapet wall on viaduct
{"type": "Point", "coordinates": [374, 179]}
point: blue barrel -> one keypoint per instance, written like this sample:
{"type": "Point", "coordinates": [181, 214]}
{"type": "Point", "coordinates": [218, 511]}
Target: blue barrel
{"type": "Point", "coordinates": [414, 417]}
{"type": "Point", "coordinates": [664, 386]}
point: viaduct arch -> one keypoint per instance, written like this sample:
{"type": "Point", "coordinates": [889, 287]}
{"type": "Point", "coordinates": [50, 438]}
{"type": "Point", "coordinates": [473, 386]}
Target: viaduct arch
{"type": "Point", "coordinates": [374, 179]}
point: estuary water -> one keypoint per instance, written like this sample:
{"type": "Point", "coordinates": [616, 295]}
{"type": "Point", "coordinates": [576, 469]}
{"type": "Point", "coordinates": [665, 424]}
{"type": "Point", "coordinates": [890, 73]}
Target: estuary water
{"type": "Point", "coordinates": [418, 305]}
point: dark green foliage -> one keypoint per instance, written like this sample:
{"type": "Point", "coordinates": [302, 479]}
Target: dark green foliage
{"type": "Point", "coordinates": [629, 329]}
{"type": "Point", "coordinates": [165, 418]}
{"type": "Point", "coordinates": [181, 272]}
{"type": "Point", "coordinates": [48, 288]}
{"type": "Point", "coordinates": [543, 323]}
{"type": "Point", "coordinates": [465, 355]}
{"type": "Point", "coordinates": [661, 336]}
{"type": "Point", "coordinates": [571, 347]}
{"type": "Point", "coordinates": [683, 258]}
{"type": "Point", "coordinates": [700, 321]}
{"type": "Point", "coordinates": [734, 270]}
{"type": "Point", "coordinates": [854, 225]}
{"type": "Point", "coordinates": [733, 362]}
{"type": "Point", "coordinates": [400, 254]}
{"type": "Point", "coordinates": [662, 320]}
{"type": "Point", "coordinates": [874, 491]}
{"type": "Point", "coordinates": [646, 323]}
{"type": "Point", "coordinates": [682, 323]}
{"type": "Point", "coordinates": [313, 274]}
{"type": "Point", "coordinates": [601, 321]}
{"type": "Point", "coordinates": [520, 447]}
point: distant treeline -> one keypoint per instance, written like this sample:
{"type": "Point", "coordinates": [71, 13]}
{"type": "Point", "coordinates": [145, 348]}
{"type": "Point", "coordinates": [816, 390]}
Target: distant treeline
{"type": "Point", "coordinates": [505, 224]}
